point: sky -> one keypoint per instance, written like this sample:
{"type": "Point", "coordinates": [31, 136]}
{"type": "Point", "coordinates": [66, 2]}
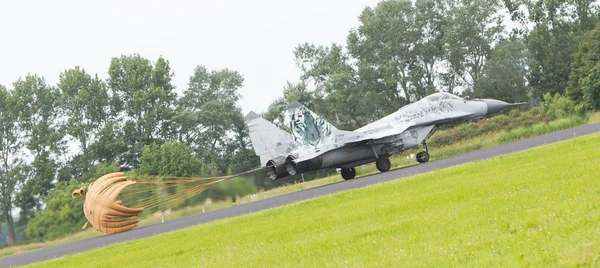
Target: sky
{"type": "Point", "coordinates": [255, 38]}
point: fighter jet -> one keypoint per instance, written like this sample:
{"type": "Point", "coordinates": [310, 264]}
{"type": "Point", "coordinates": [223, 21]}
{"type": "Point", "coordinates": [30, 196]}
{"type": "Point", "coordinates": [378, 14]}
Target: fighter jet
{"type": "Point", "coordinates": [315, 144]}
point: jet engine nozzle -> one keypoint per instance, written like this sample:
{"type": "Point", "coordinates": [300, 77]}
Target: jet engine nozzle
{"type": "Point", "coordinates": [276, 168]}
{"type": "Point", "coordinates": [290, 166]}
{"type": "Point", "coordinates": [495, 106]}
{"type": "Point", "coordinates": [294, 167]}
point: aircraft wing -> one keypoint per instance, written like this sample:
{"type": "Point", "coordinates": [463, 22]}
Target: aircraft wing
{"type": "Point", "coordinates": [395, 128]}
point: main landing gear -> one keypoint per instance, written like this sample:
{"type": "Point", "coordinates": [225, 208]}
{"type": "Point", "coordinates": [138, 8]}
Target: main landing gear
{"type": "Point", "coordinates": [423, 156]}
{"type": "Point", "coordinates": [383, 164]}
{"type": "Point", "coordinates": [348, 173]}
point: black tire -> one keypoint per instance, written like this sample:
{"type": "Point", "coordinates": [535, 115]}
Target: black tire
{"type": "Point", "coordinates": [348, 173]}
{"type": "Point", "coordinates": [383, 164]}
{"type": "Point", "coordinates": [423, 157]}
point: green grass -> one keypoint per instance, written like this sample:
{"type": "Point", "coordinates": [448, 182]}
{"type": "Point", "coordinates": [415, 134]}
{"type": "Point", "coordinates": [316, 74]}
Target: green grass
{"type": "Point", "coordinates": [594, 118]}
{"type": "Point", "coordinates": [540, 207]}
{"type": "Point", "coordinates": [540, 129]}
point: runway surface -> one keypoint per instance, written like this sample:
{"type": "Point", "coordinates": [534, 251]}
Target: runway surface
{"type": "Point", "coordinates": [150, 230]}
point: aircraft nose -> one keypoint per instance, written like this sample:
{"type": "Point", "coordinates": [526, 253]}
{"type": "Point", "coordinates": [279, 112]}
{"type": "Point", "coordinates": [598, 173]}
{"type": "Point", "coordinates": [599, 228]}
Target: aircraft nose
{"type": "Point", "coordinates": [494, 106]}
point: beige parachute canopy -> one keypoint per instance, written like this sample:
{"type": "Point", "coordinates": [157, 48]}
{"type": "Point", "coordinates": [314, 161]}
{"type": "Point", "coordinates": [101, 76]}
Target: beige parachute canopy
{"type": "Point", "coordinates": [114, 201]}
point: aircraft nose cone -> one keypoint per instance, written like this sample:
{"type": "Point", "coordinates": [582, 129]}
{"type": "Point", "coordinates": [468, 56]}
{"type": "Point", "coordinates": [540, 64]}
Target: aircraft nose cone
{"type": "Point", "coordinates": [494, 106]}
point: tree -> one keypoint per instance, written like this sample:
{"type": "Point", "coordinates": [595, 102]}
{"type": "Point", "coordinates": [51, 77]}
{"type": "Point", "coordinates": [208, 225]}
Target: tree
{"type": "Point", "coordinates": [238, 154]}
{"type": "Point", "coordinates": [11, 178]}
{"type": "Point", "coordinates": [207, 112]}
{"type": "Point", "coordinates": [551, 46]}
{"type": "Point", "coordinates": [591, 88]}
{"type": "Point", "coordinates": [144, 95]}
{"type": "Point", "coordinates": [584, 60]}
{"type": "Point", "coordinates": [505, 72]}
{"type": "Point", "coordinates": [86, 100]}
{"type": "Point", "coordinates": [384, 45]}
{"type": "Point", "coordinates": [339, 95]}
{"type": "Point", "coordinates": [429, 49]}
{"type": "Point", "coordinates": [553, 40]}
{"type": "Point", "coordinates": [170, 159]}
{"type": "Point", "coordinates": [110, 144]}
{"type": "Point", "coordinates": [472, 28]}
{"type": "Point", "coordinates": [10, 181]}
{"type": "Point", "coordinates": [40, 117]}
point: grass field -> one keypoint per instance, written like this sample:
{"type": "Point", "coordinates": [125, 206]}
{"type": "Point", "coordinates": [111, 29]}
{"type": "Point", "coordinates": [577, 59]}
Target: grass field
{"type": "Point", "coordinates": [540, 207]}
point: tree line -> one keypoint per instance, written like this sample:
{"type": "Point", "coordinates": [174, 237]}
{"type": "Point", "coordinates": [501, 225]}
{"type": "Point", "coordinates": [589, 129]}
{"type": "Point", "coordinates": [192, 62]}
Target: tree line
{"type": "Point", "coordinates": [401, 51]}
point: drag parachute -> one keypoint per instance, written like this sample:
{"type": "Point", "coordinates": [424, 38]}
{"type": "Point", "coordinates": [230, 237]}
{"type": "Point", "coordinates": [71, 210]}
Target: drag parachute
{"type": "Point", "coordinates": [114, 201]}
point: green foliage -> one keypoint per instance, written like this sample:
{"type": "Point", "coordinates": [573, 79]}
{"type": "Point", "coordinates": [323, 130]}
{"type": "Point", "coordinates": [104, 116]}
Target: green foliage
{"type": "Point", "coordinates": [62, 215]}
{"type": "Point", "coordinates": [584, 60]}
{"type": "Point", "coordinates": [171, 159]}
{"type": "Point", "coordinates": [382, 43]}
{"type": "Point", "coordinates": [143, 93]}
{"type": "Point", "coordinates": [10, 145]}
{"type": "Point", "coordinates": [591, 88]}
{"type": "Point", "coordinates": [40, 111]}
{"type": "Point", "coordinates": [208, 111]}
{"type": "Point", "coordinates": [109, 146]}
{"type": "Point", "coordinates": [540, 129]}
{"type": "Point", "coordinates": [11, 180]}
{"type": "Point", "coordinates": [86, 101]}
{"type": "Point", "coordinates": [339, 95]}
{"type": "Point", "coordinates": [471, 29]}
{"type": "Point", "coordinates": [559, 106]}
{"type": "Point", "coordinates": [551, 43]}
{"type": "Point", "coordinates": [504, 73]}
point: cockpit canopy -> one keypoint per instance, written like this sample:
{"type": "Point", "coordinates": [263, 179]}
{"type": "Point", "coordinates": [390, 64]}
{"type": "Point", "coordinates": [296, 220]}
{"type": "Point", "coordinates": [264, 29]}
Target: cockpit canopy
{"type": "Point", "coordinates": [441, 96]}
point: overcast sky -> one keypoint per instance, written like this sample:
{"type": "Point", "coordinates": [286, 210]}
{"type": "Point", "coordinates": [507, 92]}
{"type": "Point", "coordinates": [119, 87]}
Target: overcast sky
{"type": "Point", "coordinates": [255, 37]}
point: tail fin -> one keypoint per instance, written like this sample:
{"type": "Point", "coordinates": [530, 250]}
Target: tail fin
{"type": "Point", "coordinates": [310, 130]}
{"type": "Point", "coordinates": [268, 140]}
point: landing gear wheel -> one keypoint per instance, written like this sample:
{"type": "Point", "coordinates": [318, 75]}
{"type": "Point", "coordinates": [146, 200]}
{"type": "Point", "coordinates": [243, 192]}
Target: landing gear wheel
{"type": "Point", "coordinates": [422, 157]}
{"type": "Point", "coordinates": [348, 173]}
{"type": "Point", "coordinates": [383, 164]}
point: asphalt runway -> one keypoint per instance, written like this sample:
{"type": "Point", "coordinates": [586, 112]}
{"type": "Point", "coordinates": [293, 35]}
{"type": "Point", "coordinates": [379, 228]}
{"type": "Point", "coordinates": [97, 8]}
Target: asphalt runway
{"type": "Point", "coordinates": [150, 230]}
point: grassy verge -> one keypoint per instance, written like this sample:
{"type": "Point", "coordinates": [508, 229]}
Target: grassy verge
{"type": "Point", "coordinates": [401, 160]}
{"type": "Point", "coordinates": [534, 208]}
{"type": "Point", "coordinates": [7, 251]}
{"type": "Point", "coordinates": [594, 118]}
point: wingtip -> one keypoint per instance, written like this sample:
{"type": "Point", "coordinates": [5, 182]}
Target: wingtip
{"type": "Point", "coordinates": [251, 116]}
{"type": "Point", "coordinates": [294, 105]}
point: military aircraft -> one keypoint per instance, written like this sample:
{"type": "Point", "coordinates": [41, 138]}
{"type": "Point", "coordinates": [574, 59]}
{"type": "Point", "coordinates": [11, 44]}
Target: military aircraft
{"type": "Point", "coordinates": [315, 144]}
